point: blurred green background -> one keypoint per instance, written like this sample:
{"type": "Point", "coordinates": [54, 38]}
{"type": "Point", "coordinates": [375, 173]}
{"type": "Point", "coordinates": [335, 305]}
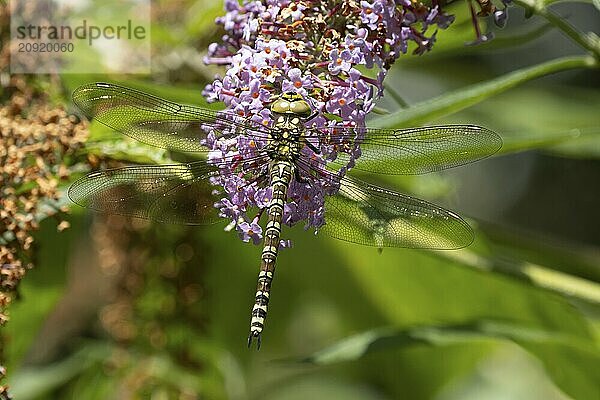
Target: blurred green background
{"type": "Point", "coordinates": [120, 309]}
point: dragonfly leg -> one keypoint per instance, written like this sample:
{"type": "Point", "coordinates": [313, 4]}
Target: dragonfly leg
{"type": "Point", "coordinates": [299, 178]}
{"type": "Point", "coordinates": [312, 116]}
{"type": "Point", "coordinates": [312, 147]}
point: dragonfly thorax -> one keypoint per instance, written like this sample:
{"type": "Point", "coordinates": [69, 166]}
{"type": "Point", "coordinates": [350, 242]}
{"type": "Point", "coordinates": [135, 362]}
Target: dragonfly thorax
{"type": "Point", "coordinates": [285, 137]}
{"type": "Point", "coordinates": [289, 111]}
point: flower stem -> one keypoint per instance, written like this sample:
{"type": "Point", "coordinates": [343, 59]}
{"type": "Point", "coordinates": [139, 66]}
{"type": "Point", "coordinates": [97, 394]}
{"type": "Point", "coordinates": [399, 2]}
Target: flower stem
{"type": "Point", "coordinates": [589, 41]}
{"type": "Point", "coordinates": [457, 100]}
{"type": "Point", "coordinates": [537, 275]}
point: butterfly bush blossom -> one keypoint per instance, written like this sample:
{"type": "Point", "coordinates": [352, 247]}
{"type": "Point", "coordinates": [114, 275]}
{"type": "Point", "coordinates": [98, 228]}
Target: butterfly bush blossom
{"type": "Point", "coordinates": [335, 54]}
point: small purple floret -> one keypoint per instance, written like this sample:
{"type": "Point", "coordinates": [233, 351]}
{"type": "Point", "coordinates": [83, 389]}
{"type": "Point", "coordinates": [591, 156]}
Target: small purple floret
{"type": "Point", "coordinates": [317, 49]}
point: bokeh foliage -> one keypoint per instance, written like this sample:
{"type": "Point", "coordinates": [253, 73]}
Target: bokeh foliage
{"type": "Point", "coordinates": [119, 309]}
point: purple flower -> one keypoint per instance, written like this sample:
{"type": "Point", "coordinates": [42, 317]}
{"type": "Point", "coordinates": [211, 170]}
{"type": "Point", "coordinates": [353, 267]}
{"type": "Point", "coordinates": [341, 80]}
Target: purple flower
{"type": "Point", "coordinates": [268, 49]}
{"type": "Point", "coordinates": [227, 209]}
{"type": "Point", "coordinates": [371, 13]}
{"type": "Point", "coordinates": [255, 94]}
{"type": "Point", "coordinates": [249, 231]}
{"type": "Point", "coordinates": [297, 82]}
{"type": "Point", "coordinates": [339, 62]}
{"type": "Point", "coordinates": [341, 102]}
{"type": "Point", "coordinates": [263, 197]}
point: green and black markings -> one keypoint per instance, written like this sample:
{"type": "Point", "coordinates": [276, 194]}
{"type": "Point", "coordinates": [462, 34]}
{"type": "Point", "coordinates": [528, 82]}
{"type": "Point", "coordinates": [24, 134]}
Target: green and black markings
{"type": "Point", "coordinates": [285, 143]}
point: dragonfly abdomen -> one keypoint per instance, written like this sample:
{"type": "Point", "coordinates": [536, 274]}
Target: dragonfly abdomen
{"type": "Point", "coordinates": [280, 177]}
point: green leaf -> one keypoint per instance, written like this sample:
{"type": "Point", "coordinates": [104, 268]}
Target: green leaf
{"type": "Point", "coordinates": [523, 142]}
{"type": "Point", "coordinates": [200, 21]}
{"type": "Point", "coordinates": [537, 275]}
{"type": "Point", "coordinates": [455, 101]}
{"type": "Point", "coordinates": [563, 121]}
{"type": "Point", "coordinates": [107, 143]}
{"type": "Point", "coordinates": [362, 344]}
{"type": "Point", "coordinates": [415, 289]}
{"type": "Point", "coordinates": [571, 362]}
{"type": "Point", "coordinates": [405, 278]}
{"type": "Point", "coordinates": [305, 387]}
{"type": "Point", "coordinates": [33, 382]}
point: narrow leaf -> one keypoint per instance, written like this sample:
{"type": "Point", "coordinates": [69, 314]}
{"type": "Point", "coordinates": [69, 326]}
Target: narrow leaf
{"type": "Point", "coordinates": [355, 347]}
{"type": "Point", "coordinates": [570, 362]}
{"type": "Point", "coordinates": [455, 101]}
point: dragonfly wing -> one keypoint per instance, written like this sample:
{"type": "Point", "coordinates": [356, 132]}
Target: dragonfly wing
{"type": "Point", "coordinates": [179, 193]}
{"type": "Point", "coordinates": [414, 150]}
{"type": "Point", "coordinates": [155, 121]}
{"type": "Point", "coordinates": [370, 215]}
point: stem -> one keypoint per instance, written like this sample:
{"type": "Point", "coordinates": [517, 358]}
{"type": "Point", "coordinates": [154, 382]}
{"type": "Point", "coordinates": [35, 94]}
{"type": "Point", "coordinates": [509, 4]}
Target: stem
{"type": "Point", "coordinates": [397, 97]}
{"type": "Point", "coordinates": [588, 41]}
{"type": "Point", "coordinates": [452, 102]}
{"type": "Point", "coordinates": [474, 20]}
{"type": "Point", "coordinates": [532, 273]}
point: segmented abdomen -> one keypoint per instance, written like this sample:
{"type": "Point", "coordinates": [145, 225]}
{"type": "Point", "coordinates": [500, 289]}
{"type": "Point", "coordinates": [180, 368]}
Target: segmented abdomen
{"type": "Point", "coordinates": [280, 177]}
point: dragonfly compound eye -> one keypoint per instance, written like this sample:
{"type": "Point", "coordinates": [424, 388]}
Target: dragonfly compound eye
{"type": "Point", "coordinates": [291, 104]}
{"type": "Point", "coordinates": [300, 107]}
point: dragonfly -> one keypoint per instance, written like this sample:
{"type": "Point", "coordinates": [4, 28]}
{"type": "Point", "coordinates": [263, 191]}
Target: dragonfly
{"type": "Point", "coordinates": [356, 211]}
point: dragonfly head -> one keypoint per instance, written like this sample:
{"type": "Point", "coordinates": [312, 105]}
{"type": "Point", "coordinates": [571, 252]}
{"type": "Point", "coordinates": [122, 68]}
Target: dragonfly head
{"type": "Point", "coordinates": [291, 103]}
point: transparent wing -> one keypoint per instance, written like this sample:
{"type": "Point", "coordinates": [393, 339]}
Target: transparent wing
{"type": "Point", "coordinates": [414, 150]}
{"type": "Point", "coordinates": [177, 193]}
{"type": "Point", "coordinates": [371, 215]}
{"type": "Point", "coordinates": [156, 121]}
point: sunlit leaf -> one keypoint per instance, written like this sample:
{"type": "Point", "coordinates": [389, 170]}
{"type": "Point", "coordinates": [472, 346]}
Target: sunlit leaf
{"type": "Point", "coordinates": [569, 360]}
{"type": "Point", "coordinates": [31, 383]}
{"type": "Point", "coordinates": [452, 102]}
